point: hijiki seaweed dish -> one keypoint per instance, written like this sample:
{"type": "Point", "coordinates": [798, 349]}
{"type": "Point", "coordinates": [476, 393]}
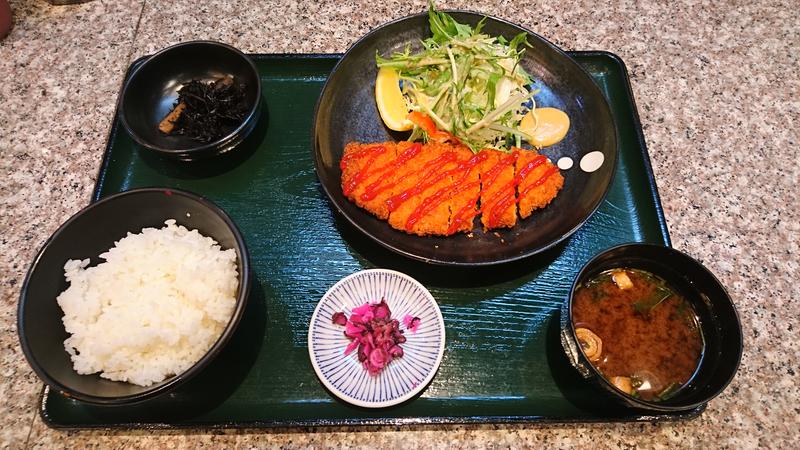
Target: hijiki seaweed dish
{"type": "Point", "coordinates": [207, 111]}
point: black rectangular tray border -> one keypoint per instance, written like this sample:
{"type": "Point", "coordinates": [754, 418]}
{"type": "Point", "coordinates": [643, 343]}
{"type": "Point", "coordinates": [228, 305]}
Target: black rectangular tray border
{"type": "Point", "coordinates": [398, 421]}
{"type": "Point", "coordinates": [381, 422]}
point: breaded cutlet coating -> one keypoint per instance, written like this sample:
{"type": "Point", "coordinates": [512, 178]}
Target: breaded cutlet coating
{"type": "Point", "coordinates": [465, 194]}
{"type": "Point", "coordinates": [436, 188]}
{"type": "Point", "coordinates": [531, 195]}
{"type": "Point", "coordinates": [497, 176]}
{"type": "Point", "coordinates": [425, 177]}
{"type": "Point", "coordinates": [363, 165]}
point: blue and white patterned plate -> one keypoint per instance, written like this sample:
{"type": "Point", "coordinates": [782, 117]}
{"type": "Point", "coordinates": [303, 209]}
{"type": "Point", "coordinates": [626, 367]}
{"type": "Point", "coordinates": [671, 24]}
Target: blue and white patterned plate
{"type": "Point", "coordinates": [402, 378]}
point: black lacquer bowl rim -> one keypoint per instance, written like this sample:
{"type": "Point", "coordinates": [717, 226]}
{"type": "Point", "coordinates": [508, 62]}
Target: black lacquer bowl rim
{"type": "Point", "coordinates": [333, 198]}
{"type": "Point", "coordinates": [243, 291]}
{"type": "Point", "coordinates": [220, 145]}
{"type": "Point", "coordinates": [594, 376]}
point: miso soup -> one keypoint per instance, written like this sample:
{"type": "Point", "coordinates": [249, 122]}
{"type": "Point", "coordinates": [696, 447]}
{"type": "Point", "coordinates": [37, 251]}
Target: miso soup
{"type": "Point", "coordinates": [639, 332]}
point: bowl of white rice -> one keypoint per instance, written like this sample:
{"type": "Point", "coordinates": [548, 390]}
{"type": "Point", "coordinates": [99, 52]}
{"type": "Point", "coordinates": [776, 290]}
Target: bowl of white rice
{"type": "Point", "coordinates": [133, 296]}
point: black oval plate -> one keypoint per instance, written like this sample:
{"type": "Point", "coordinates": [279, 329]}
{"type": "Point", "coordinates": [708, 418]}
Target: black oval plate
{"type": "Point", "coordinates": [346, 112]}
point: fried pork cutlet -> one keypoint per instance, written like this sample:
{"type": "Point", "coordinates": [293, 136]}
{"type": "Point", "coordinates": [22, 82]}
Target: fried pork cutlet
{"type": "Point", "coordinates": [415, 188]}
{"type": "Point", "coordinates": [362, 166]}
{"type": "Point", "coordinates": [539, 184]}
{"type": "Point", "coordinates": [419, 204]}
{"type": "Point", "coordinates": [498, 205]}
{"type": "Point", "coordinates": [438, 189]}
{"type": "Point", "coordinates": [465, 192]}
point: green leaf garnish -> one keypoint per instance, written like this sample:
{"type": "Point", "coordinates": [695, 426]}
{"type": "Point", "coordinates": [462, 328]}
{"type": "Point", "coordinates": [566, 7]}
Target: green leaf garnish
{"type": "Point", "coordinates": [669, 391]}
{"type": "Point", "coordinates": [660, 294]}
{"type": "Point", "coordinates": [473, 84]}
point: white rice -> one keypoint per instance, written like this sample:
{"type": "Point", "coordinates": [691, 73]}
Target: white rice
{"type": "Point", "coordinates": [152, 309]}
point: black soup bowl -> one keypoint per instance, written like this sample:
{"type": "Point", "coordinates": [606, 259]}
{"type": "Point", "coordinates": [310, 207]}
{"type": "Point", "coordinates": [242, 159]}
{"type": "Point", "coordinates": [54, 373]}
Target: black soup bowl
{"type": "Point", "coordinates": [151, 91]}
{"type": "Point", "coordinates": [89, 233]}
{"type": "Point", "coordinates": [719, 323]}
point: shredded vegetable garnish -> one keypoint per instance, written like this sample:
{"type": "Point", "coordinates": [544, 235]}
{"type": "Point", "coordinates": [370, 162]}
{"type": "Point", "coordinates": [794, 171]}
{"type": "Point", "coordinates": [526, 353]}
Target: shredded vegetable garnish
{"type": "Point", "coordinates": [469, 83]}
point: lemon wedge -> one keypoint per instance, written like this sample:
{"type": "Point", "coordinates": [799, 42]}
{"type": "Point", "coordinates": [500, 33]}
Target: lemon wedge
{"type": "Point", "coordinates": [391, 104]}
{"type": "Point", "coordinates": [551, 127]}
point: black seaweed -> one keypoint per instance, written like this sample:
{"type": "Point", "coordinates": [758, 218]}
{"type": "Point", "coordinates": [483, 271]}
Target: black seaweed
{"type": "Point", "coordinates": [212, 109]}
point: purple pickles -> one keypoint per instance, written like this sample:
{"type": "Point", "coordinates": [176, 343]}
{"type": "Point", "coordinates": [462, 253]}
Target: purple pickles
{"type": "Point", "coordinates": [339, 319]}
{"type": "Point", "coordinates": [411, 323]}
{"type": "Point", "coordinates": [396, 351]}
{"type": "Point", "coordinates": [381, 310]}
{"type": "Point", "coordinates": [350, 347]}
{"type": "Point", "coordinates": [375, 334]}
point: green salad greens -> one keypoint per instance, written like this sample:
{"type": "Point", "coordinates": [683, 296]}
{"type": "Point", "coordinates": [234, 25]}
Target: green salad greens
{"type": "Point", "coordinates": [469, 83]}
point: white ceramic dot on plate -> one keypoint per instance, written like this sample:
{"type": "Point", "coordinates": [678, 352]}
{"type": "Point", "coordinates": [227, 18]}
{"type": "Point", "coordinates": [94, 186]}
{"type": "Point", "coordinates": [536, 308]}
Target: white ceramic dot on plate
{"type": "Point", "coordinates": [403, 378]}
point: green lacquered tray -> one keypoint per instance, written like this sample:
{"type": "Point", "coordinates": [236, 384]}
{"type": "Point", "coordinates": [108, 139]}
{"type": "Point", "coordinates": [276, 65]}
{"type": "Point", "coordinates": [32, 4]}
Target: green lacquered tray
{"type": "Point", "coordinates": [503, 360]}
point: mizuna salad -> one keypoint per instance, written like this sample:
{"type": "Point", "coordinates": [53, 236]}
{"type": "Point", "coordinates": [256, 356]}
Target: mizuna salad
{"type": "Point", "coordinates": [466, 87]}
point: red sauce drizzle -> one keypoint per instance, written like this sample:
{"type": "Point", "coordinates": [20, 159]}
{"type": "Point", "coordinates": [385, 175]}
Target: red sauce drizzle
{"type": "Point", "coordinates": [509, 199]}
{"type": "Point", "coordinates": [425, 182]}
{"type": "Point", "coordinates": [469, 211]}
{"type": "Point", "coordinates": [356, 155]}
{"type": "Point", "coordinates": [431, 202]}
{"type": "Point", "coordinates": [540, 181]}
{"type": "Point", "coordinates": [373, 152]}
{"type": "Point", "coordinates": [506, 194]}
{"type": "Point", "coordinates": [494, 172]}
{"type": "Point", "coordinates": [378, 185]}
{"type": "Point", "coordinates": [463, 214]}
{"type": "Point", "coordinates": [502, 192]}
{"type": "Point", "coordinates": [500, 200]}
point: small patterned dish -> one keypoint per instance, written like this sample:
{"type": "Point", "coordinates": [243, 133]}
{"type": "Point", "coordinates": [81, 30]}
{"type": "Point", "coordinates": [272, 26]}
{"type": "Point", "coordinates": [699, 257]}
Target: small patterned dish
{"type": "Point", "coordinates": [401, 379]}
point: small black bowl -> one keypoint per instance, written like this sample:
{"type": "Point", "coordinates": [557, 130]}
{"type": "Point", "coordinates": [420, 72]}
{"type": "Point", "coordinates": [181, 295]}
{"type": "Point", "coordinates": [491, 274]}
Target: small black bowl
{"type": "Point", "coordinates": [719, 323]}
{"type": "Point", "coordinates": [151, 91]}
{"type": "Point", "coordinates": [89, 233]}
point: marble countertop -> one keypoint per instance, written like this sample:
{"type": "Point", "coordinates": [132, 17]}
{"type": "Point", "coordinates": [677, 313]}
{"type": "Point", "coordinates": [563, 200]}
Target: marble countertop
{"type": "Point", "coordinates": [717, 88]}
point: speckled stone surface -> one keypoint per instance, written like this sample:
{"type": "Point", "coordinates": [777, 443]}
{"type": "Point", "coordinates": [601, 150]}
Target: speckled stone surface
{"type": "Point", "coordinates": [717, 87]}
